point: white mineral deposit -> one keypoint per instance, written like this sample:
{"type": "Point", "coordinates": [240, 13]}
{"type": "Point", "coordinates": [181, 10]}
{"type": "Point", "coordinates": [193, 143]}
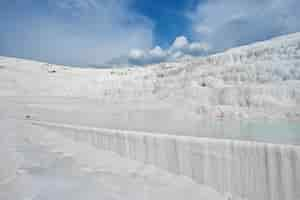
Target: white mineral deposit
{"type": "Point", "coordinates": [225, 126]}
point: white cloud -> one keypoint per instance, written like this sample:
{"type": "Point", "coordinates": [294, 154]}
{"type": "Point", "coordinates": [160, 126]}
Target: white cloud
{"type": "Point", "coordinates": [199, 47]}
{"type": "Point", "coordinates": [180, 47]}
{"type": "Point", "coordinates": [142, 57]}
{"type": "Point", "coordinates": [136, 54]}
{"type": "Point", "coordinates": [180, 43]}
{"type": "Point", "coordinates": [157, 54]}
{"type": "Point", "coordinates": [78, 32]}
{"type": "Point", "coordinates": [234, 22]}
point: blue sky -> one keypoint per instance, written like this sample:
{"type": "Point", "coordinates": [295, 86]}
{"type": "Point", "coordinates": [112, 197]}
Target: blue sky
{"type": "Point", "coordinates": [169, 17]}
{"type": "Point", "coordinates": [84, 32]}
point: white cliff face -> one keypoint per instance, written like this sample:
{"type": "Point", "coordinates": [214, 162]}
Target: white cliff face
{"type": "Point", "coordinates": [48, 165]}
{"type": "Point", "coordinates": [255, 82]}
{"type": "Point", "coordinates": [237, 169]}
{"type": "Point", "coordinates": [8, 167]}
{"type": "Point", "coordinates": [247, 93]}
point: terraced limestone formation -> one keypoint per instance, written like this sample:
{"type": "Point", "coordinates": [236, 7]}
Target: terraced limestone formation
{"type": "Point", "coordinates": [230, 121]}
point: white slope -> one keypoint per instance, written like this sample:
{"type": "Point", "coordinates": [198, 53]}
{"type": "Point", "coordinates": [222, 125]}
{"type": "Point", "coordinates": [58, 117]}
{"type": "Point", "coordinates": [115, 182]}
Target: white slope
{"type": "Point", "coordinates": [189, 97]}
{"type": "Point", "coordinates": [237, 169]}
{"type": "Point", "coordinates": [250, 93]}
{"type": "Point", "coordinates": [41, 164]}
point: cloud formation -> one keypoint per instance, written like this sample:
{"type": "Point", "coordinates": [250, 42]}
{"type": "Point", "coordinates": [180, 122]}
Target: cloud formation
{"type": "Point", "coordinates": [84, 32]}
{"type": "Point", "coordinates": [181, 47]}
{"type": "Point", "coordinates": [76, 32]}
{"type": "Point", "coordinates": [229, 23]}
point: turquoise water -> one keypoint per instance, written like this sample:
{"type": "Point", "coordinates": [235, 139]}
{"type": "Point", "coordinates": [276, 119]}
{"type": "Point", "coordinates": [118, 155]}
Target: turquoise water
{"type": "Point", "coordinates": [272, 131]}
{"type": "Point", "coordinates": [287, 132]}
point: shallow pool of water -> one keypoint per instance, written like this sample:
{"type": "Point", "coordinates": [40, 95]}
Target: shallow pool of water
{"type": "Point", "coordinates": [287, 132]}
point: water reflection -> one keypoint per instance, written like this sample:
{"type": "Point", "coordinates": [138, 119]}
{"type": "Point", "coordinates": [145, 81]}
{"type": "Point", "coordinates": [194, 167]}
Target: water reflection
{"type": "Point", "coordinates": [287, 132]}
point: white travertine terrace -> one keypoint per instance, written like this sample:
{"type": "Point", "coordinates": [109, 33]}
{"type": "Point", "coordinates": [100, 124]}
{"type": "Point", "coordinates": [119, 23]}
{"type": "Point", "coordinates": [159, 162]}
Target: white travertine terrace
{"type": "Point", "coordinates": [255, 81]}
{"type": "Point", "coordinates": [243, 169]}
{"type": "Point", "coordinates": [183, 100]}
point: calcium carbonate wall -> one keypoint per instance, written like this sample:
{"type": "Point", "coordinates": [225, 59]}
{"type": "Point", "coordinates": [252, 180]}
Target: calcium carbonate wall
{"type": "Point", "coordinates": [8, 166]}
{"type": "Point", "coordinates": [251, 170]}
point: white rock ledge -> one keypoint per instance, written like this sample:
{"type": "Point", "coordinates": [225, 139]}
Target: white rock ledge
{"type": "Point", "coordinates": [244, 169]}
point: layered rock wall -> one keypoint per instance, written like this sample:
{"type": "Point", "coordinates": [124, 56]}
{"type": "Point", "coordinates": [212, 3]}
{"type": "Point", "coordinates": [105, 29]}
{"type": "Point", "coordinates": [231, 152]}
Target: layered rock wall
{"type": "Point", "coordinates": [243, 169]}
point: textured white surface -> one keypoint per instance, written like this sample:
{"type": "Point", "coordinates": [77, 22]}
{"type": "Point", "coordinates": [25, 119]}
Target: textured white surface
{"type": "Point", "coordinates": [216, 96]}
{"type": "Point", "coordinates": [256, 81]}
{"type": "Point", "coordinates": [242, 169]}
{"type": "Point", "coordinates": [48, 166]}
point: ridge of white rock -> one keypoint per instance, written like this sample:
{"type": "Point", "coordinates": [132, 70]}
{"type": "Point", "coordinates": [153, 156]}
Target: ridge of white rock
{"type": "Point", "coordinates": [240, 169]}
{"type": "Point", "coordinates": [255, 82]}
{"type": "Point", "coordinates": [48, 165]}
{"type": "Point", "coordinates": [234, 95]}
